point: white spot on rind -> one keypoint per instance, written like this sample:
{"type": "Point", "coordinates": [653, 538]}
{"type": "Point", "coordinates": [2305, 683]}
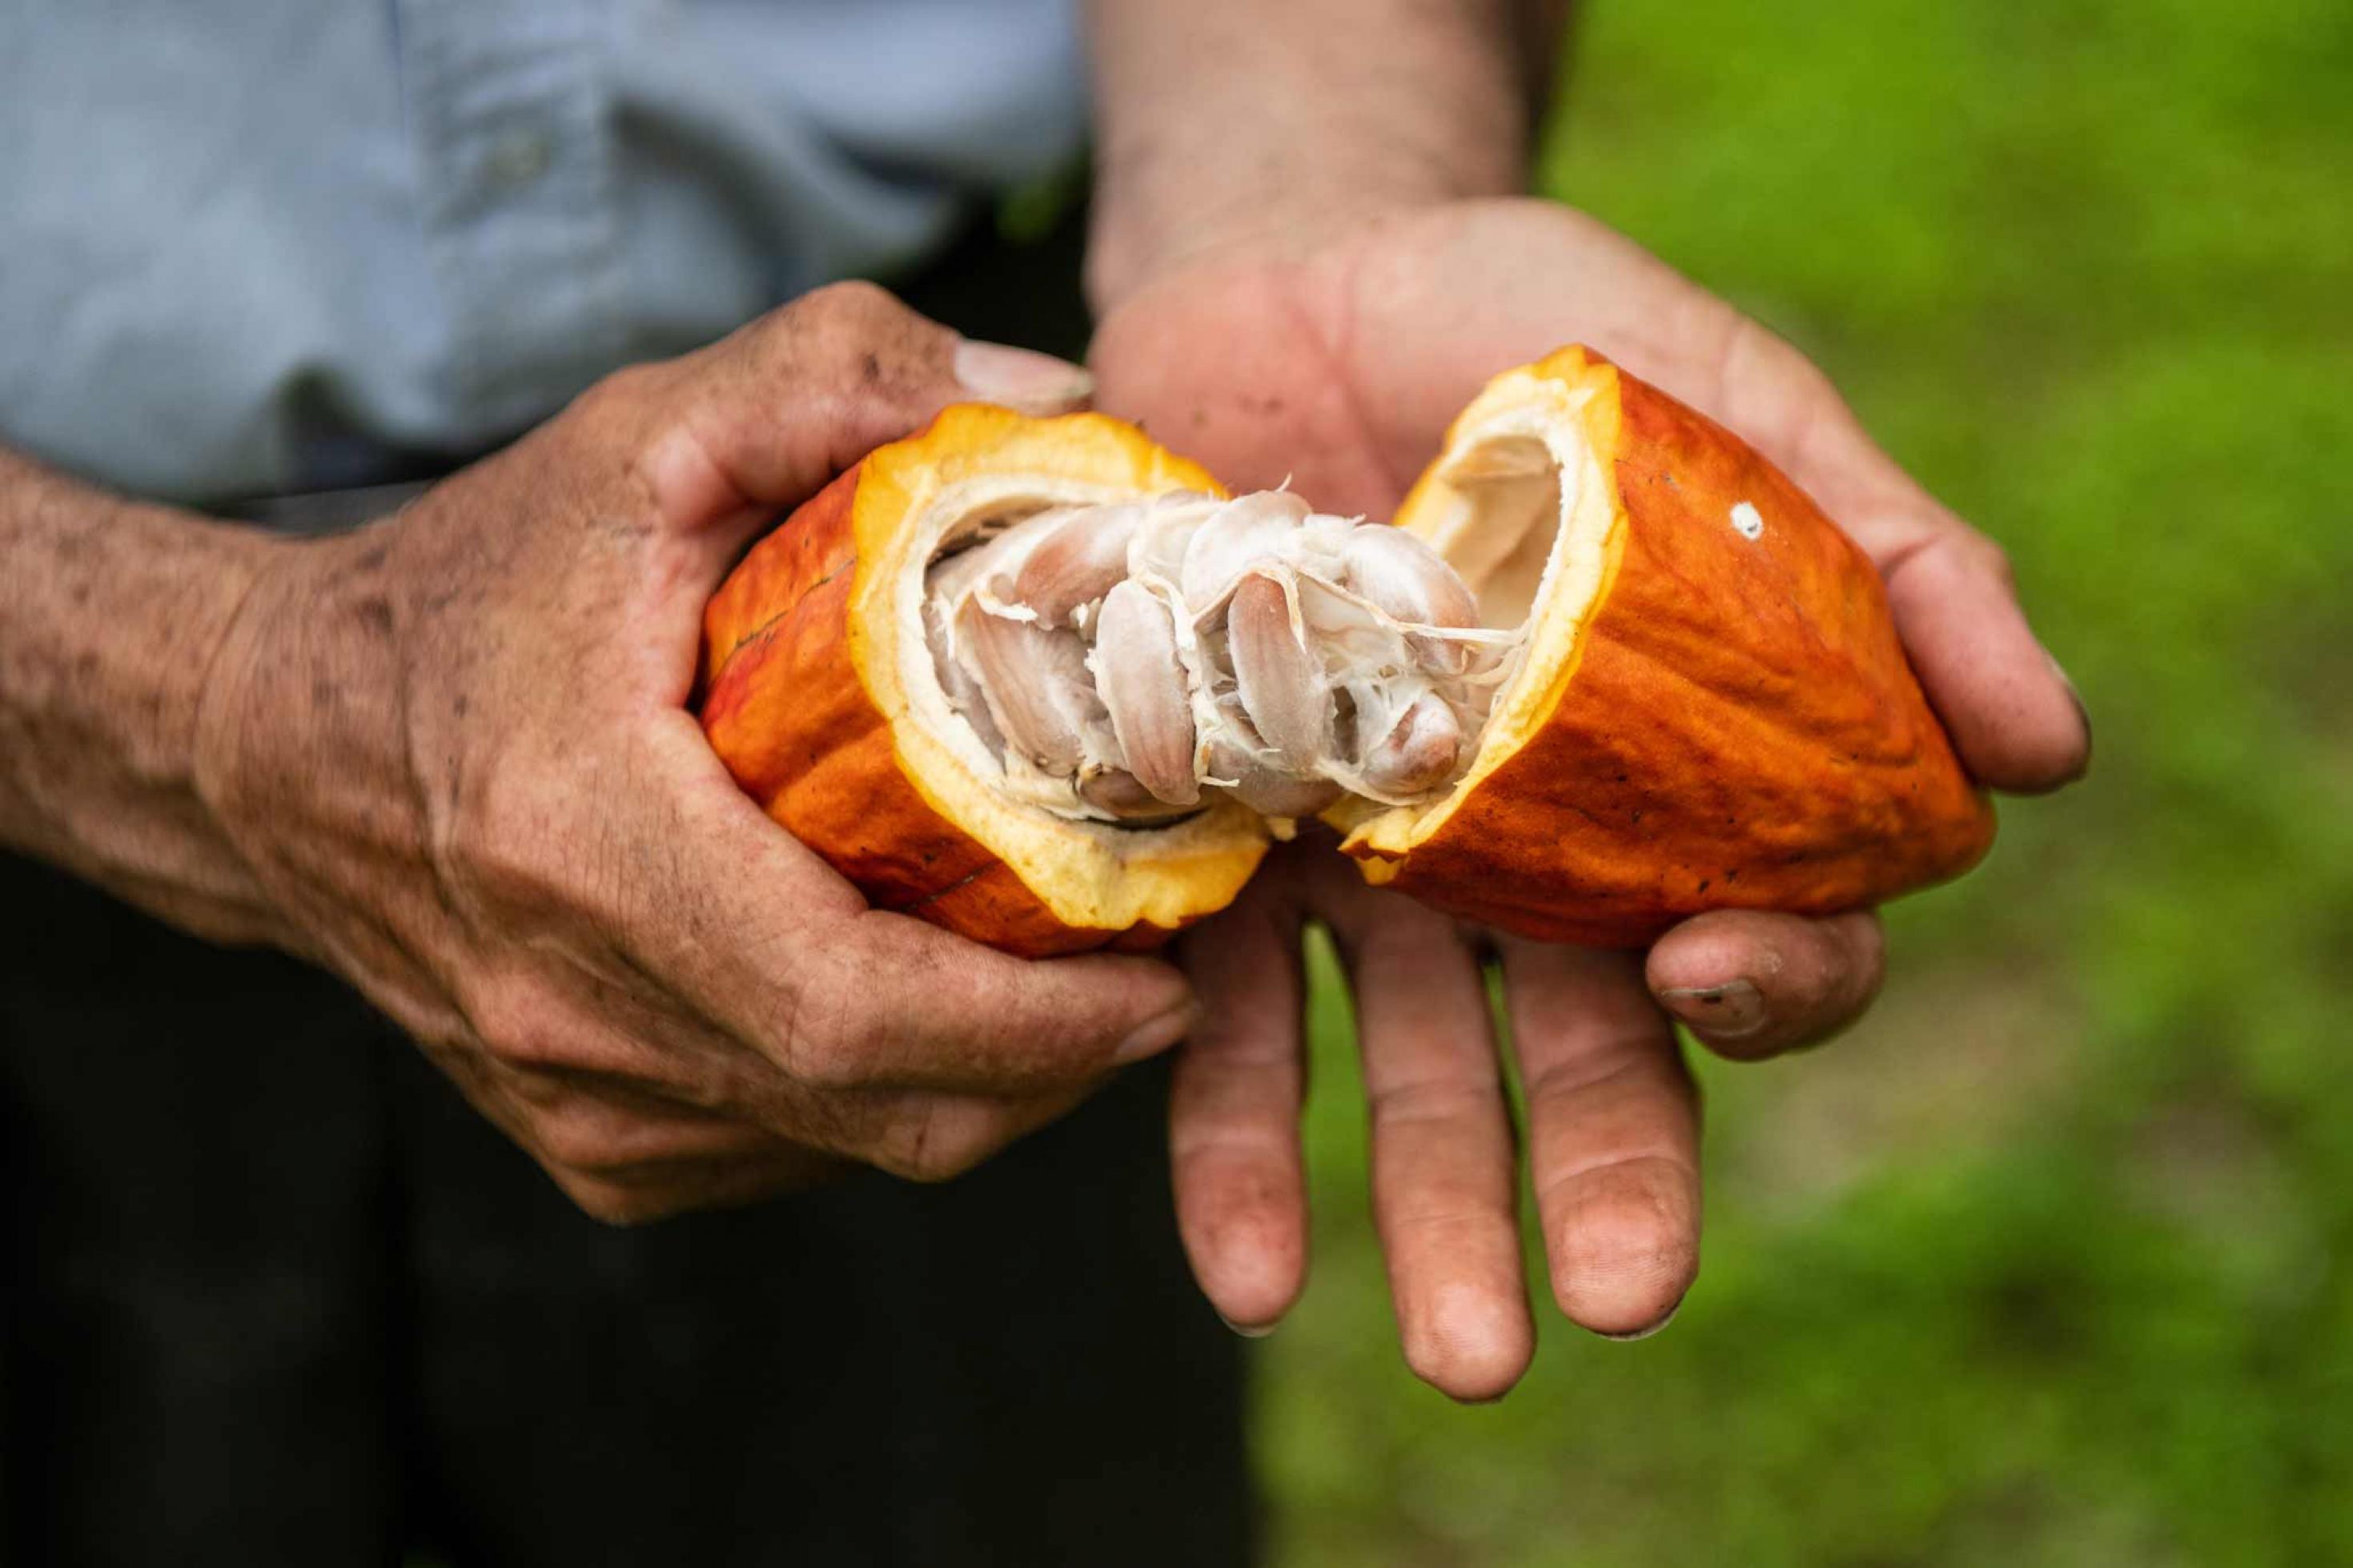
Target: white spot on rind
{"type": "Point", "coordinates": [1747, 521]}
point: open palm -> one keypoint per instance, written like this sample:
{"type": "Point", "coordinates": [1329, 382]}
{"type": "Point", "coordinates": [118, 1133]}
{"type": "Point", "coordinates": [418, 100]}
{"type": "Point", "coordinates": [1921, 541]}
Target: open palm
{"type": "Point", "coordinates": [1337, 363]}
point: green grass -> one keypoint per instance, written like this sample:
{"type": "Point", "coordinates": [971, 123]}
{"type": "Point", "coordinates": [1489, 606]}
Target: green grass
{"type": "Point", "coordinates": [2051, 1261]}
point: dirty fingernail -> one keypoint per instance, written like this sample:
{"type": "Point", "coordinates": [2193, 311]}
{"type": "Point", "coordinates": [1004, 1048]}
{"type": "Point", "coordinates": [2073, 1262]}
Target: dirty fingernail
{"type": "Point", "coordinates": [2083, 715]}
{"type": "Point", "coordinates": [1022, 378]}
{"type": "Point", "coordinates": [1629, 1338]}
{"type": "Point", "coordinates": [1158, 1035]}
{"type": "Point", "coordinates": [1725, 1011]}
{"type": "Point", "coordinates": [1246, 1330]}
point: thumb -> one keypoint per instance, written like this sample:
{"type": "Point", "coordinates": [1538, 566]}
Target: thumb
{"type": "Point", "coordinates": [915, 1006]}
{"type": "Point", "coordinates": [765, 417]}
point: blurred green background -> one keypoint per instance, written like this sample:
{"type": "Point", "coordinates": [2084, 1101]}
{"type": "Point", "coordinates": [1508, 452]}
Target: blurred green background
{"type": "Point", "coordinates": [2048, 1262]}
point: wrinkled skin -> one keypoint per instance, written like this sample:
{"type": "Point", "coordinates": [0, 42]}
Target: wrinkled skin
{"type": "Point", "coordinates": [455, 752]}
{"type": "Point", "coordinates": [1337, 359]}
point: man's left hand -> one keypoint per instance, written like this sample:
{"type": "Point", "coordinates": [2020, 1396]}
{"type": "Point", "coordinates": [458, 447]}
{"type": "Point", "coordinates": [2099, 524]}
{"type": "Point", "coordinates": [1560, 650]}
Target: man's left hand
{"type": "Point", "coordinates": [1335, 361]}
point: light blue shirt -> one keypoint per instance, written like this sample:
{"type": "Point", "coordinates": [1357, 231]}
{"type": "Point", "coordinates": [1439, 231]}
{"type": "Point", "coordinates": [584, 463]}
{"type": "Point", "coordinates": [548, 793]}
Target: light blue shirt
{"type": "Point", "coordinates": [245, 247]}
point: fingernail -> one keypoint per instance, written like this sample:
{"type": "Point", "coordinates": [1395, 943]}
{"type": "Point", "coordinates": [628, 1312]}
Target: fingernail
{"type": "Point", "coordinates": [1021, 379]}
{"type": "Point", "coordinates": [1725, 1011]}
{"type": "Point", "coordinates": [1158, 1035]}
{"type": "Point", "coordinates": [1628, 1339]}
{"type": "Point", "coordinates": [2083, 715]}
{"type": "Point", "coordinates": [1246, 1330]}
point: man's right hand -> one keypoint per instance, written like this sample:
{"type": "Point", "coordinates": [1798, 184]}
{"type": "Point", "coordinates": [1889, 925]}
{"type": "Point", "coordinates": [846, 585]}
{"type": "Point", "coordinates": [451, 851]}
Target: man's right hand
{"type": "Point", "coordinates": [454, 753]}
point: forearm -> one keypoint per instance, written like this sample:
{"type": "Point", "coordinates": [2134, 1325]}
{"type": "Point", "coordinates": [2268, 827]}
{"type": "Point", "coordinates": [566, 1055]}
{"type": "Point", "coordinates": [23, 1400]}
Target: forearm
{"type": "Point", "coordinates": [1232, 120]}
{"type": "Point", "coordinates": [109, 613]}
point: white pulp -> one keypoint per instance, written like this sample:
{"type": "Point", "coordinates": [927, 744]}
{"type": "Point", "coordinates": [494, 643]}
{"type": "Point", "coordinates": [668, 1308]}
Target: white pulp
{"type": "Point", "coordinates": [1281, 654]}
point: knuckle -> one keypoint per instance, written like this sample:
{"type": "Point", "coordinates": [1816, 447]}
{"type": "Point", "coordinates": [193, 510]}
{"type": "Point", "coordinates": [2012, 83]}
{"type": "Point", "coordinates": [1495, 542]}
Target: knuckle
{"type": "Point", "coordinates": [622, 410]}
{"type": "Point", "coordinates": [852, 302]}
{"type": "Point", "coordinates": [841, 325]}
{"type": "Point", "coordinates": [622, 392]}
{"type": "Point", "coordinates": [1983, 557]}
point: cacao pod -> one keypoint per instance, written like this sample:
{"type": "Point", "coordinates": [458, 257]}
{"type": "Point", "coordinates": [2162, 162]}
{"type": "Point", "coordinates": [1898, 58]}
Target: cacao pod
{"type": "Point", "coordinates": [819, 695]}
{"type": "Point", "coordinates": [1707, 705]}
{"type": "Point", "coordinates": [1715, 711]}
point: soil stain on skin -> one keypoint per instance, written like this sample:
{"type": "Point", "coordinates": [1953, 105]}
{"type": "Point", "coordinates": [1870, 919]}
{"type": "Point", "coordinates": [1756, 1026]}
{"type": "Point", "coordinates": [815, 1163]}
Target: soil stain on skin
{"type": "Point", "coordinates": [375, 615]}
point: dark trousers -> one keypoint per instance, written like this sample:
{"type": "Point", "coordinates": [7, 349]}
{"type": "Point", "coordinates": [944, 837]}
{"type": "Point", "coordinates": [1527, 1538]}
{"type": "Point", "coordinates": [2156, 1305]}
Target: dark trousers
{"type": "Point", "coordinates": [273, 1294]}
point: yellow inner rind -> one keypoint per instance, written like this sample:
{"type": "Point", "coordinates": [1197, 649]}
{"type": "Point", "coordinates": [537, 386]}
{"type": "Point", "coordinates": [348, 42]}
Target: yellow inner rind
{"type": "Point", "coordinates": [1570, 404]}
{"type": "Point", "coordinates": [1089, 875]}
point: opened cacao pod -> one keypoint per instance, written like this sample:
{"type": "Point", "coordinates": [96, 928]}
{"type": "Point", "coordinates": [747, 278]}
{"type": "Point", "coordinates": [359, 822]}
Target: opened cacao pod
{"type": "Point", "coordinates": [1042, 682]}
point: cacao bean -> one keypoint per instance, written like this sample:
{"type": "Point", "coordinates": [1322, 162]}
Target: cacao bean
{"type": "Point", "coordinates": [1278, 679]}
{"type": "Point", "coordinates": [952, 578]}
{"type": "Point", "coordinates": [1157, 549]}
{"type": "Point", "coordinates": [1142, 683]}
{"type": "Point", "coordinates": [1033, 678]}
{"type": "Point", "coordinates": [1078, 563]}
{"type": "Point", "coordinates": [989, 567]}
{"type": "Point", "coordinates": [1407, 579]}
{"type": "Point", "coordinates": [957, 683]}
{"type": "Point", "coordinates": [1268, 791]}
{"type": "Point", "coordinates": [1120, 793]}
{"type": "Point", "coordinates": [1239, 535]}
{"type": "Point", "coordinates": [1420, 751]}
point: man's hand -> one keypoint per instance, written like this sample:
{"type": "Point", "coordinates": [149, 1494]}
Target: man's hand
{"type": "Point", "coordinates": [1335, 359]}
{"type": "Point", "coordinates": [1612, 1123]}
{"type": "Point", "coordinates": [450, 756]}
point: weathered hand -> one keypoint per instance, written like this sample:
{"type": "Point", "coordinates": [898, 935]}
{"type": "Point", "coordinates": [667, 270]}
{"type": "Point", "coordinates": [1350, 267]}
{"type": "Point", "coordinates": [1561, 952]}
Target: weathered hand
{"type": "Point", "coordinates": [455, 749]}
{"type": "Point", "coordinates": [1612, 1123]}
{"type": "Point", "coordinates": [1337, 360]}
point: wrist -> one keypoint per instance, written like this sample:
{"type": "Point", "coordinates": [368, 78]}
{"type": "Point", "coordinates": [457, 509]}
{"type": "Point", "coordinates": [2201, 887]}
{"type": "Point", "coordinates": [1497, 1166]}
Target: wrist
{"type": "Point", "coordinates": [293, 702]}
{"type": "Point", "coordinates": [1139, 237]}
{"type": "Point", "coordinates": [1225, 127]}
{"type": "Point", "coordinates": [109, 621]}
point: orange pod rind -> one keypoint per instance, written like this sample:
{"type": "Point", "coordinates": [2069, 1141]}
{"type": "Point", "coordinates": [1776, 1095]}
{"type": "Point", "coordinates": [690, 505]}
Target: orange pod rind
{"type": "Point", "coordinates": [820, 697]}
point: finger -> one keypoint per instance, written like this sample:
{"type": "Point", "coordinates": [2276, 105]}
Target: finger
{"type": "Point", "coordinates": [1445, 1167]}
{"type": "Point", "coordinates": [600, 1129]}
{"type": "Point", "coordinates": [765, 417]}
{"type": "Point", "coordinates": [604, 1067]}
{"type": "Point", "coordinates": [926, 1137]}
{"type": "Point", "coordinates": [779, 952]}
{"type": "Point", "coordinates": [604, 1131]}
{"type": "Point", "coordinates": [898, 1002]}
{"type": "Point", "coordinates": [1233, 1111]}
{"type": "Point", "coordinates": [2012, 715]}
{"type": "Point", "coordinates": [645, 1195]}
{"type": "Point", "coordinates": [2015, 718]}
{"type": "Point", "coordinates": [1752, 984]}
{"type": "Point", "coordinates": [591, 1079]}
{"type": "Point", "coordinates": [1613, 1135]}
{"type": "Point", "coordinates": [571, 1017]}
{"type": "Point", "coordinates": [626, 1156]}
